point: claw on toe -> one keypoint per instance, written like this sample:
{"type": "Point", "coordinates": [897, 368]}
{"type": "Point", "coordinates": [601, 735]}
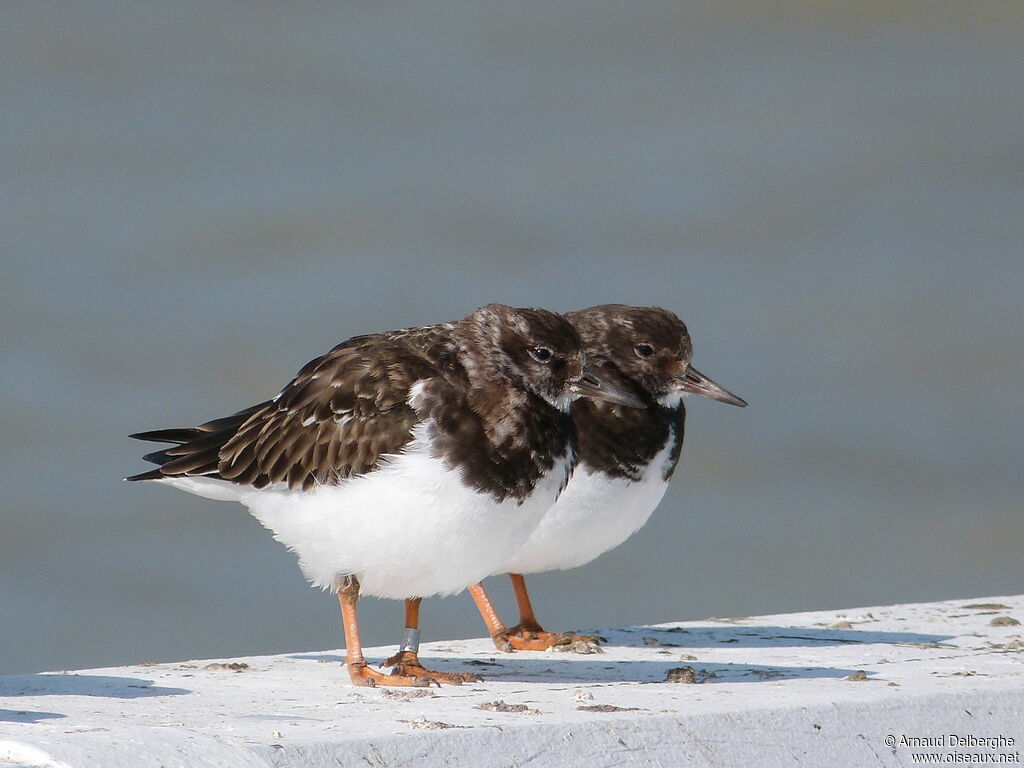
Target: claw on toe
{"type": "Point", "coordinates": [407, 665]}
{"type": "Point", "coordinates": [537, 642]}
{"type": "Point", "coordinates": [363, 675]}
{"type": "Point", "coordinates": [391, 661]}
{"type": "Point", "coordinates": [531, 637]}
{"type": "Point", "coordinates": [502, 643]}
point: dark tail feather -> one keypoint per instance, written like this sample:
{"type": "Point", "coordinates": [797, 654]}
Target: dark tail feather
{"type": "Point", "coordinates": [153, 474]}
{"type": "Point", "coordinates": [234, 421]}
{"type": "Point", "coordinates": [195, 450]}
{"type": "Point", "coordinates": [188, 434]}
{"type": "Point", "coordinates": [168, 435]}
{"type": "Point", "coordinates": [157, 457]}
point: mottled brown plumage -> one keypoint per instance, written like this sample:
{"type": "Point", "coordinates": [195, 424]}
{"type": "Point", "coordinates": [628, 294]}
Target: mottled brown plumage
{"type": "Point", "coordinates": [471, 420]}
{"type": "Point", "coordinates": [489, 401]}
{"type": "Point", "coordinates": [622, 441]}
{"type": "Point", "coordinates": [627, 455]}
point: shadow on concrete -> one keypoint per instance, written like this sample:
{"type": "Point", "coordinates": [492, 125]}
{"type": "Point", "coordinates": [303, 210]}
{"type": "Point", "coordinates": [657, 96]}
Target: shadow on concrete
{"type": "Point", "coordinates": [576, 669]}
{"type": "Point", "coordinates": [595, 670]}
{"type": "Point", "coordinates": [755, 636]}
{"type": "Point", "coordinates": [20, 716]}
{"type": "Point", "coordinates": [73, 684]}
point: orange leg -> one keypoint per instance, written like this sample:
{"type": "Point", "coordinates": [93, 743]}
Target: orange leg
{"type": "Point", "coordinates": [528, 634]}
{"type": "Point", "coordinates": [407, 663]}
{"type": "Point", "coordinates": [495, 628]}
{"type": "Point", "coordinates": [358, 669]}
{"type": "Point", "coordinates": [527, 618]}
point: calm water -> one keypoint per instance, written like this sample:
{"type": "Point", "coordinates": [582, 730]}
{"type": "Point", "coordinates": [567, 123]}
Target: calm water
{"type": "Point", "coordinates": [196, 199]}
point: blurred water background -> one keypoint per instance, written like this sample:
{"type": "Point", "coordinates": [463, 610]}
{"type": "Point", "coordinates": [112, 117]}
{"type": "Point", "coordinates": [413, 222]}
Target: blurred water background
{"type": "Point", "coordinates": [199, 197]}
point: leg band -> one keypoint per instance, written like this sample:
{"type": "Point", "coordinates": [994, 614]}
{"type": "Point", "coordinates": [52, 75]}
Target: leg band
{"type": "Point", "coordinates": [410, 640]}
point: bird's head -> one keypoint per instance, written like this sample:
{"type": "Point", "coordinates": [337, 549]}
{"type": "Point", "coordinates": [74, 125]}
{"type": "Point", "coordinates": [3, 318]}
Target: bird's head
{"type": "Point", "coordinates": [650, 348]}
{"type": "Point", "coordinates": [534, 350]}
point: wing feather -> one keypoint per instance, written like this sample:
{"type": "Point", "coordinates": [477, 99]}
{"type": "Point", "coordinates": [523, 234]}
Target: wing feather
{"type": "Point", "coordinates": [336, 419]}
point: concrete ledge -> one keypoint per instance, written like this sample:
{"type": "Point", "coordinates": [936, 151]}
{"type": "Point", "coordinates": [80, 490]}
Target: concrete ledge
{"type": "Point", "coordinates": [810, 689]}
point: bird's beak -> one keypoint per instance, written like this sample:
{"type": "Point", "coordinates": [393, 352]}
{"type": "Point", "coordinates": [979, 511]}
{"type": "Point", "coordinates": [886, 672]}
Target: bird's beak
{"type": "Point", "coordinates": [592, 385]}
{"type": "Point", "coordinates": [695, 382]}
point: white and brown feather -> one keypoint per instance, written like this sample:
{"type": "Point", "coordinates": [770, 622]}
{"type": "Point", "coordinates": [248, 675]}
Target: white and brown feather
{"type": "Point", "coordinates": [626, 455]}
{"type": "Point", "coordinates": [490, 409]}
{"type": "Point", "coordinates": [623, 441]}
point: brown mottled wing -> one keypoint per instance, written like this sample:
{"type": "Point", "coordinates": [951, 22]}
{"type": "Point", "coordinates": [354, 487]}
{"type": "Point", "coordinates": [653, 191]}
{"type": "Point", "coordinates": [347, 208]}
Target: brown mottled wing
{"type": "Point", "coordinates": [334, 420]}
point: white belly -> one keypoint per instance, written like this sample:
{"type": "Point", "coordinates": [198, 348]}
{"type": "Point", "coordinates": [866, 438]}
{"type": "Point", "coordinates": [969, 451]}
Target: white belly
{"type": "Point", "coordinates": [409, 529]}
{"type": "Point", "coordinates": [594, 514]}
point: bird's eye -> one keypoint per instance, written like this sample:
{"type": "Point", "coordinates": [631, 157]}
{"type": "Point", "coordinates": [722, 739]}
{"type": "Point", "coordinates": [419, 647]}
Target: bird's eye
{"type": "Point", "coordinates": [643, 350]}
{"type": "Point", "coordinates": [541, 354]}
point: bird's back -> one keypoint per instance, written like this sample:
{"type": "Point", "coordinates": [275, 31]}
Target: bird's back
{"type": "Point", "coordinates": [336, 419]}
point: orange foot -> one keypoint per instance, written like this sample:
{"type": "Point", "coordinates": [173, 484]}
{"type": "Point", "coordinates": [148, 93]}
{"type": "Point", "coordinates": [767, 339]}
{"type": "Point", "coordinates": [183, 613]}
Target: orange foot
{"type": "Point", "coordinates": [529, 636]}
{"type": "Point", "coordinates": [362, 674]}
{"type": "Point", "coordinates": [407, 664]}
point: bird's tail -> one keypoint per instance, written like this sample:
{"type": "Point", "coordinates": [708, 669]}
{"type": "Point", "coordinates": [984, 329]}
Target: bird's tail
{"type": "Point", "coordinates": [195, 450]}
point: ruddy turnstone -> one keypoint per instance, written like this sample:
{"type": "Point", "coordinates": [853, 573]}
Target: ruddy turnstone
{"type": "Point", "coordinates": [402, 464]}
{"type": "Point", "coordinates": [627, 455]}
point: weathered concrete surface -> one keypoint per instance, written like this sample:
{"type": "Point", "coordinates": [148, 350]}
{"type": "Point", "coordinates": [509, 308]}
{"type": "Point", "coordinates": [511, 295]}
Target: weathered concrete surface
{"type": "Point", "coordinates": [769, 691]}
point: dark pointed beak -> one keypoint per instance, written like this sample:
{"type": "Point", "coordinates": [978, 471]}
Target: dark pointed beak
{"type": "Point", "coordinates": [695, 382]}
{"type": "Point", "coordinates": [592, 385]}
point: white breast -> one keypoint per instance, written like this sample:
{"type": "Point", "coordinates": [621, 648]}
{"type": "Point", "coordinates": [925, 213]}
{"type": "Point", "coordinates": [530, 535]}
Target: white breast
{"type": "Point", "coordinates": [409, 529]}
{"type": "Point", "coordinates": [594, 514]}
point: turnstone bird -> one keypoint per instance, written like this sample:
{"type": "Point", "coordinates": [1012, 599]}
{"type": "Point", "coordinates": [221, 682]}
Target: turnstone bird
{"type": "Point", "coordinates": [627, 455]}
{"type": "Point", "coordinates": [402, 464]}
